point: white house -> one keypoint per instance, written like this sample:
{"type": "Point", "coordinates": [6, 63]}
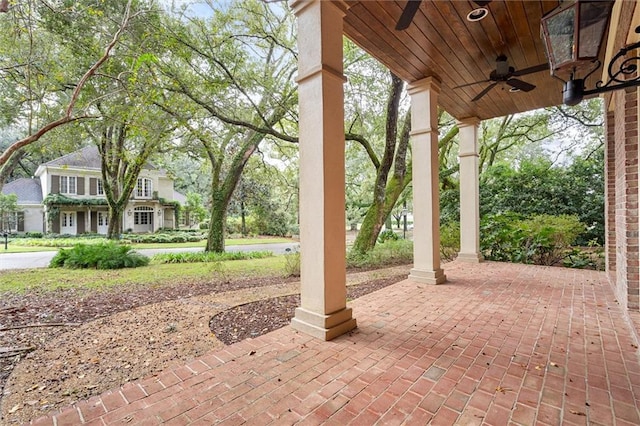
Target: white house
{"type": "Point", "coordinates": [71, 198]}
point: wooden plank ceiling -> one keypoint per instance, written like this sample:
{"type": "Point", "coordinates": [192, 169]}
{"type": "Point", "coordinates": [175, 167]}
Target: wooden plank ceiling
{"type": "Point", "coordinates": [441, 42]}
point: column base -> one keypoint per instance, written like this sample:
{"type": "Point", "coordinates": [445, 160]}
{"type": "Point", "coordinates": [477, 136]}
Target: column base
{"type": "Point", "coordinates": [325, 327]}
{"type": "Point", "coordinates": [470, 257]}
{"type": "Point", "coordinates": [427, 277]}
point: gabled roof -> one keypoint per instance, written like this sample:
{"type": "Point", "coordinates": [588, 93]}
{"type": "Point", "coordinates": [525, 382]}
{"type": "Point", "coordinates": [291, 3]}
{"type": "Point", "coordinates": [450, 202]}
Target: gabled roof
{"type": "Point", "coordinates": [28, 190]}
{"type": "Point", "coordinates": [85, 158]}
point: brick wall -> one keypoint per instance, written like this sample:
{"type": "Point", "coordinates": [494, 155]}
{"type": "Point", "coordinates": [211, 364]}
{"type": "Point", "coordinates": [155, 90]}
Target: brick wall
{"type": "Point", "coordinates": [610, 195]}
{"type": "Point", "coordinates": [627, 259]}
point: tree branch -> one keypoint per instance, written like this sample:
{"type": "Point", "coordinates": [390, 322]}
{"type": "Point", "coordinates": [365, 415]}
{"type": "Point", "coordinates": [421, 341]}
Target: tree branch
{"type": "Point", "coordinates": [67, 118]}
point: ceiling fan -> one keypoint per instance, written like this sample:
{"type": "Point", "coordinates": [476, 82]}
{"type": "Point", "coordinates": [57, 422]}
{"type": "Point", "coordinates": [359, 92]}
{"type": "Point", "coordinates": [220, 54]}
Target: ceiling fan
{"type": "Point", "coordinates": [412, 6]}
{"type": "Point", "coordinates": [506, 74]}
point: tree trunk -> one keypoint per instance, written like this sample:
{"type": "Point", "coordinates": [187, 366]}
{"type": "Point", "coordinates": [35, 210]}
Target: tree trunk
{"type": "Point", "coordinates": [377, 214]}
{"type": "Point", "coordinates": [215, 239]}
{"type": "Point", "coordinates": [114, 230]}
{"type": "Point", "coordinates": [389, 223]}
{"type": "Point", "coordinates": [244, 220]}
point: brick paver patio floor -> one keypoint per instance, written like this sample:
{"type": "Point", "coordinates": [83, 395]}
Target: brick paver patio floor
{"type": "Point", "coordinates": [498, 344]}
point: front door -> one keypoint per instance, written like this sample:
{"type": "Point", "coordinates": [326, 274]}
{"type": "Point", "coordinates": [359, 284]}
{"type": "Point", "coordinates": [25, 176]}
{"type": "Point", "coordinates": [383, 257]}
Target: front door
{"type": "Point", "coordinates": [68, 223]}
{"type": "Point", "coordinates": [103, 222]}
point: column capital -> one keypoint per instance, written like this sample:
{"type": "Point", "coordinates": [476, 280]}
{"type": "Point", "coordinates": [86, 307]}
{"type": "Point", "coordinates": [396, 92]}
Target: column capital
{"type": "Point", "coordinates": [427, 83]}
{"type": "Point", "coordinates": [468, 122]}
{"type": "Point", "coordinates": [299, 5]}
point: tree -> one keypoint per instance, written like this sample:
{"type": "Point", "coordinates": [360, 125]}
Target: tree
{"type": "Point", "coordinates": [33, 80]}
{"type": "Point", "coordinates": [126, 127]}
{"type": "Point", "coordinates": [388, 184]}
{"type": "Point", "coordinates": [8, 211]}
{"type": "Point", "coordinates": [229, 89]}
{"type": "Point", "coordinates": [537, 187]}
{"type": "Point", "coordinates": [194, 211]}
{"type": "Point", "coordinates": [559, 136]}
{"type": "Point", "coordinates": [125, 149]}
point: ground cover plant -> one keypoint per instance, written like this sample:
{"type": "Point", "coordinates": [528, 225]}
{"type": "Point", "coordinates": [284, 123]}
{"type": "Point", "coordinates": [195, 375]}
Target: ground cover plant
{"type": "Point", "coordinates": [104, 255]}
{"type": "Point", "coordinates": [192, 257]}
{"type": "Point", "coordinates": [164, 240]}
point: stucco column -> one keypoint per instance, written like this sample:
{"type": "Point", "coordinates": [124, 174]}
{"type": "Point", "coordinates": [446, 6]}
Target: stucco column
{"type": "Point", "coordinates": [426, 195]}
{"type": "Point", "coordinates": [469, 192]}
{"type": "Point", "coordinates": [323, 312]}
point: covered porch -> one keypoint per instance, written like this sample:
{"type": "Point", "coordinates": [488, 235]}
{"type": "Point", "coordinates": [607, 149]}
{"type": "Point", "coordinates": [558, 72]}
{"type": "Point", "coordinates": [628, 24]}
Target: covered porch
{"type": "Point", "coordinates": [497, 344]}
{"type": "Point", "coordinates": [475, 69]}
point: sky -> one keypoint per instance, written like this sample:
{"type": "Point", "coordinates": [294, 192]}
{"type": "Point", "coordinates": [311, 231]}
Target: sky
{"type": "Point", "coordinates": [198, 8]}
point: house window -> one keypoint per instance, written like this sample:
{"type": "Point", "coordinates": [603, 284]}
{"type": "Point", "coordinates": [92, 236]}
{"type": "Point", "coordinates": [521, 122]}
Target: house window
{"type": "Point", "coordinates": [100, 187]}
{"type": "Point", "coordinates": [142, 216]}
{"type": "Point", "coordinates": [68, 185]}
{"type": "Point", "coordinates": [144, 188]}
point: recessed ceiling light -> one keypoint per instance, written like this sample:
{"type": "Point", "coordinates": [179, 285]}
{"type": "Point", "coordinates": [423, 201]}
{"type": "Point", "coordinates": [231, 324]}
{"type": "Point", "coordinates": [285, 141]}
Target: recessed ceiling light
{"type": "Point", "coordinates": [477, 14]}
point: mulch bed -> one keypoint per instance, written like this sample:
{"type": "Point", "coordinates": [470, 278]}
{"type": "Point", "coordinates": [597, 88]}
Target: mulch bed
{"type": "Point", "coordinates": [257, 318]}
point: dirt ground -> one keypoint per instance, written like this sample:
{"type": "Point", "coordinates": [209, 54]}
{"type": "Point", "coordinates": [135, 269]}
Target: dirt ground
{"type": "Point", "coordinates": [60, 347]}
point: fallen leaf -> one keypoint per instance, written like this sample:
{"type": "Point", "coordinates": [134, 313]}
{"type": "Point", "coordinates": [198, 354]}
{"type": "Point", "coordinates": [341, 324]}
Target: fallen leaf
{"type": "Point", "coordinates": [252, 353]}
{"type": "Point", "coordinates": [14, 408]}
{"type": "Point", "coordinates": [553, 364]}
{"type": "Point", "coordinates": [577, 413]}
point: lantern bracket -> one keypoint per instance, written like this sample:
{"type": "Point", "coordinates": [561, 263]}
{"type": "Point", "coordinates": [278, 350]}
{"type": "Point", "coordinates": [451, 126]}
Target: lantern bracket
{"type": "Point", "coordinates": [620, 72]}
{"type": "Point", "coordinates": [620, 67]}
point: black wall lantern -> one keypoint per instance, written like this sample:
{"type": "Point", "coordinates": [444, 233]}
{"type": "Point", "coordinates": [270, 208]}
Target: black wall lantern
{"type": "Point", "coordinates": [573, 34]}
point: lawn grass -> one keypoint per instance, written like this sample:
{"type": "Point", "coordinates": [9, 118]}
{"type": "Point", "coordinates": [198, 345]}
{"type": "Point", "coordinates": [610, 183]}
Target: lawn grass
{"type": "Point", "coordinates": [47, 279]}
{"type": "Point", "coordinates": [15, 247]}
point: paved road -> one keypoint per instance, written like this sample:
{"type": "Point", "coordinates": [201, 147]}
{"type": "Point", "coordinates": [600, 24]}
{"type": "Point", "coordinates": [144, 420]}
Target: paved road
{"type": "Point", "coordinates": [41, 259]}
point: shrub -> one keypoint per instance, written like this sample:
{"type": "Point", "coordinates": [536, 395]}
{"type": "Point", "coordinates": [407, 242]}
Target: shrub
{"type": "Point", "coordinates": [398, 252]}
{"type": "Point", "coordinates": [275, 223]}
{"type": "Point", "coordinates": [164, 237]}
{"type": "Point", "coordinates": [590, 258]}
{"type": "Point", "coordinates": [541, 239]}
{"type": "Point", "coordinates": [106, 255]}
{"type": "Point", "coordinates": [193, 257]}
{"type": "Point", "coordinates": [387, 235]}
{"type": "Point", "coordinates": [33, 234]}
{"type": "Point", "coordinates": [292, 263]}
{"type": "Point", "coordinates": [449, 241]}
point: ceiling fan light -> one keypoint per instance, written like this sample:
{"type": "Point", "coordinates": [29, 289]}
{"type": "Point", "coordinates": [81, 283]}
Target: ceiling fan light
{"type": "Point", "coordinates": [477, 14]}
{"type": "Point", "coordinates": [514, 90]}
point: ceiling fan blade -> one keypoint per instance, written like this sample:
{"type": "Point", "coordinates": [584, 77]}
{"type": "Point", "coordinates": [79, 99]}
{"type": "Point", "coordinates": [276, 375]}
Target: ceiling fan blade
{"type": "Point", "coordinates": [530, 70]}
{"type": "Point", "coordinates": [408, 13]}
{"type": "Point", "coordinates": [482, 3]}
{"type": "Point", "coordinates": [520, 85]}
{"type": "Point", "coordinates": [471, 84]}
{"type": "Point", "coordinates": [484, 92]}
